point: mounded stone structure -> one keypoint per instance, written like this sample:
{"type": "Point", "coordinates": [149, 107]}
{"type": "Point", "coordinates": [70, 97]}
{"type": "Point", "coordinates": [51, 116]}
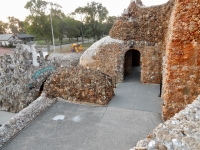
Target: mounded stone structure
{"type": "Point", "coordinates": [167, 37]}
{"type": "Point", "coordinates": [108, 55]}
{"type": "Point", "coordinates": [79, 84]}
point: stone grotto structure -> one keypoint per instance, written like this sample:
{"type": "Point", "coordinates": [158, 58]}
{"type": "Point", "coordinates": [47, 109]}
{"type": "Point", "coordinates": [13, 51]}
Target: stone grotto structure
{"type": "Point", "coordinates": [164, 40]}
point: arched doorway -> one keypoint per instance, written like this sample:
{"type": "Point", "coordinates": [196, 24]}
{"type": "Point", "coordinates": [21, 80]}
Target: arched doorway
{"type": "Point", "coordinates": [131, 61]}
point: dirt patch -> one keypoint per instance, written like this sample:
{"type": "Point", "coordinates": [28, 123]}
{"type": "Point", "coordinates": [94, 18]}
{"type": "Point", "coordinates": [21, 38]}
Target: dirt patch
{"type": "Point", "coordinates": [6, 51]}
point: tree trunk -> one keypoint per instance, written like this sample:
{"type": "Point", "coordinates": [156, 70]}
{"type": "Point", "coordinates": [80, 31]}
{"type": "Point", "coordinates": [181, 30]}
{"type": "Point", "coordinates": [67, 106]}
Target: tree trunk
{"type": "Point", "coordinates": [82, 36]}
{"type": "Point", "coordinates": [61, 42]}
{"type": "Point", "coordinates": [48, 47]}
{"type": "Point", "coordinates": [77, 38]}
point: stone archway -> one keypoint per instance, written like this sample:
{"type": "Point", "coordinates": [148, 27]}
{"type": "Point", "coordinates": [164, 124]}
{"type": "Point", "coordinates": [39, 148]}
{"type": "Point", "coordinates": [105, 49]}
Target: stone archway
{"type": "Point", "coordinates": [131, 58]}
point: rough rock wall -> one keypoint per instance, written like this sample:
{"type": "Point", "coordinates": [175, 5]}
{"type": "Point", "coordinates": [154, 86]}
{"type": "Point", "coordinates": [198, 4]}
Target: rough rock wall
{"type": "Point", "coordinates": [181, 79]}
{"type": "Point", "coordinates": [146, 27]}
{"type": "Point", "coordinates": [128, 62]}
{"type": "Point", "coordinates": [181, 132]}
{"type": "Point", "coordinates": [138, 23]}
{"type": "Point", "coordinates": [108, 55]}
{"type": "Point", "coordinates": [80, 85]}
{"type": "Point", "coordinates": [104, 55]}
{"type": "Point", "coordinates": [150, 61]}
{"type": "Point", "coordinates": [20, 80]}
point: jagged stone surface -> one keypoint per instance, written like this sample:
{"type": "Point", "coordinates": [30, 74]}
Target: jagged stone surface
{"type": "Point", "coordinates": [104, 56]}
{"type": "Point", "coordinates": [80, 85]}
{"type": "Point", "coordinates": [181, 132]}
{"type": "Point", "coordinates": [23, 73]}
{"type": "Point", "coordinates": [21, 76]}
{"type": "Point", "coordinates": [181, 70]}
{"type": "Point", "coordinates": [139, 23]}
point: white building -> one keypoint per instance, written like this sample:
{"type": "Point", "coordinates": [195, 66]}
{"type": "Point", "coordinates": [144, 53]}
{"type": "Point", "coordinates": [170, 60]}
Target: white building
{"type": "Point", "coordinates": [6, 39]}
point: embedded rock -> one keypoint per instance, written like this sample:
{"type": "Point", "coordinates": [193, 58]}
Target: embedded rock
{"type": "Point", "coordinates": [80, 85]}
{"type": "Point", "coordinates": [179, 132]}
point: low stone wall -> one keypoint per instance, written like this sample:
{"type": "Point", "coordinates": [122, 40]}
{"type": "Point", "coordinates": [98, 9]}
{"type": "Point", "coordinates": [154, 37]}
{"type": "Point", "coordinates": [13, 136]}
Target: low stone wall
{"type": "Point", "coordinates": [181, 132]}
{"type": "Point", "coordinates": [21, 75]}
{"type": "Point", "coordinates": [65, 60]}
{"type": "Point", "coordinates": [80, 85]}
{"type": "Point", "coordinates": [24, 118]}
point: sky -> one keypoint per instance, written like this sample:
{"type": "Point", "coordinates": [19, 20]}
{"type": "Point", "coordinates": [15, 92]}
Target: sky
{"type": "Point", "coordinates": [16, 7]}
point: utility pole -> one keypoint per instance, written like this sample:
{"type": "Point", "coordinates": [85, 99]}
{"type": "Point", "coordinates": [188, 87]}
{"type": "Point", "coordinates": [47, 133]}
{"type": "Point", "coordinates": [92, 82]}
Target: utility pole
{"type": "Point", "coordinates": [52, 29]}
{"type": "Point", "coordinates": [51, 26]}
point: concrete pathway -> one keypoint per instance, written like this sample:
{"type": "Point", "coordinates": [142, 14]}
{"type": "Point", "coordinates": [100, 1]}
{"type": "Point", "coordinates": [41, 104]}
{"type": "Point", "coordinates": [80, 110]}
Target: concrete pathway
{"type": "Point", "coordinates": [129, 117]}
{"type": "Point", "coordinates": [131, 94]}
{"type": "Point", "coordinates": [5, 116]}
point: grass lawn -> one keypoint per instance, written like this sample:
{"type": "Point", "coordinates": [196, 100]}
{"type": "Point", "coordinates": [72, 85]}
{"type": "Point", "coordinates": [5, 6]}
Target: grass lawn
{"type": "Point", "coordinates": [65, 41]}
{"type": "Point", "coordinates": [68, 49]}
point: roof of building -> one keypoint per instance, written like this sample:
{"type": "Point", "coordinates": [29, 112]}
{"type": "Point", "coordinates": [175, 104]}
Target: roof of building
{"type": "Point", "coordinates": [5, 37]}
{"type": "Point", "coordinates": [25, 36]}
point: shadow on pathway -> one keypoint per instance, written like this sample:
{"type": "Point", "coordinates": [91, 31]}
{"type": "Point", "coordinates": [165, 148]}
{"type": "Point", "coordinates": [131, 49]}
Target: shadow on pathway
{"type": "Point", "coordinates": [128, 118]}
{"type": "Point", "coordinates": [132, 94]}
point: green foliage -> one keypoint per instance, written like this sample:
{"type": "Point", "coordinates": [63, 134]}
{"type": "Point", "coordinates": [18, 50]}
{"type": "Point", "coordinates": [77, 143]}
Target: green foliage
{"type": "Point", "coordinates": [10, 45]}
{"type": "Point", "coordinates": [3, 27]}
{"type": "Point", "coordinates": [38, 22]}
{"type": "Point", "coordinates": [15, 25]}
{"type": "Point", "coordinates": [95, 19]}
{"type": "Point", "coordinates": [109, 23]}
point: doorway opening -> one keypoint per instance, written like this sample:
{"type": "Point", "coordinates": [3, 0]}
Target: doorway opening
{"type": "Point", "coordinates": [131, 60]}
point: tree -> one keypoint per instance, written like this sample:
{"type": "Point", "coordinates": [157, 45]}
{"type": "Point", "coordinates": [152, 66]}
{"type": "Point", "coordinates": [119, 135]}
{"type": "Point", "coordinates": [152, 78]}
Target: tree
{"type": "Point", "coordinates": [15, 25]}
{"type": "Point", "coordinates": [108, 24]}
{"type": "Point", "coordinates": [81, 16]}
{"type": "Point", "coordinates": [68, 27]}
{"type": "Point", "coordinates": [38, 22]}
{"type": "Point", "coordinates": [94, 15]}
{"type": "Point", "coordinates": [3, 27]}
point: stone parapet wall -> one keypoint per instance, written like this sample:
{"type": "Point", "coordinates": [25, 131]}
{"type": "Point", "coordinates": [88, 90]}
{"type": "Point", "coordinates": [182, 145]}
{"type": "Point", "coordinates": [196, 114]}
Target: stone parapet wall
{"type": "Point", "coordinates": [79, 84]}
{"type": "Point", "coordinates": [24, 118]}
{"type": "Point", "coordinates": [181, 132]}
{"type": "Point", "coordinates": [65, 60]}
{"type": "Point", "coordinates": [181, 69]}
